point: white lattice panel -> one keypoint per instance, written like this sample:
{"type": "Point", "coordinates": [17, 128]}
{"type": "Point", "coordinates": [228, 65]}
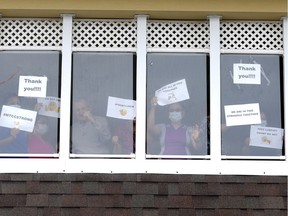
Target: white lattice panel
{"type": "Point", "coordinates": [30, 32]}
{"type": "Point", "coordinates": [178, 34]}
{"type": "Point", "coordinates": [104, 34]}
{"type": "Point", "coordinates": [252, 35]}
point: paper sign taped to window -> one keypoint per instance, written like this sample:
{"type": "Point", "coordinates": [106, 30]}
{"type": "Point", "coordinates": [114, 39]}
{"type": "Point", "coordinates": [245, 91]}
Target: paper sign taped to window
{"type": "Point", "coordinates": [12, 117]}
{"type": "Point", "coordinates": [50, 106]}
{"type": "Point", "coordinates": [266, 137]}
{"type": "Point", "coordinates": [32, 86]}
{"type": "Point", "coordinates": [243, 114]}
{"type": "Point", "coordinates": [121, 108]}
{"type": "Point", "coordinates": [172, 93]}
{"type": "Point", "coordinates": [247, 74]}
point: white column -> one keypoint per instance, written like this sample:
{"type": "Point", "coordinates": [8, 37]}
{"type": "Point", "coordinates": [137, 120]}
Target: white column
{"type": "Point", "coordinates": [141, 87]}
{"type": "Point", "coordinates": [285, 72]}
{"type": "Point", "coordinates": [66, 88]}
{"type": "Point", "coordinates": [215, 102]}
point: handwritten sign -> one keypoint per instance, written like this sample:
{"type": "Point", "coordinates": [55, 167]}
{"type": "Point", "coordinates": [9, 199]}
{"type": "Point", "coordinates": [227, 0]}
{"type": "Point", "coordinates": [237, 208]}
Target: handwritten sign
{"type": "Point", "coordinates": [247, 74]}
{"type": "Point", "coordinates": [121, 108]}
{"type": "Point", "coordinates": [267, 137]}
{"type": "Point", "coordinates": [12, 117]}
{"type": "Point", "coordinates": [50, 106]}
{"type": "Point", "coordinates": [32, 86]}
{"type": "Point", "coordinates": [243, 114]}
{"type": "Point", "coordinates": [172, 93]}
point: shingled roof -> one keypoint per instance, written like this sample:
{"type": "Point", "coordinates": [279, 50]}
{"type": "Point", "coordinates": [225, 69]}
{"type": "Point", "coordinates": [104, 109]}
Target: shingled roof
{"type": "Point", "coordinates": [141, 195]}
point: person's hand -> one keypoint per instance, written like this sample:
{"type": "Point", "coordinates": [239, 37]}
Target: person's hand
{"type": "Point", "coordinates": [14, 132]}
{"type": "Point", "coordinates": [89, 116]}
{"type": "Point", "coordinates": [195, 132]}
{"type": "Point", "coordinates": [154, 101]}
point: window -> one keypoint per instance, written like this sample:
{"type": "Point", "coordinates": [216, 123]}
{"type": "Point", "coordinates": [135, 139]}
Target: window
{"type": "Point", "coordinates": [30, 102]}
{"type": "Point", "coordinates": [251, 91]}
{"type": "Point", "coordinates": [108, 72]}
{"type": "Point", "coordinates": [182, 79]}
{"type": "Point", "coordinates": [98, 80]}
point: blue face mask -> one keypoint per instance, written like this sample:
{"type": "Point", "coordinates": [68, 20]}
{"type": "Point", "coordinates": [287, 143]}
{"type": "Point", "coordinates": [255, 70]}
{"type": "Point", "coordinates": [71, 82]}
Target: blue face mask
{"type": "Point", "coordinates": [175, 116]}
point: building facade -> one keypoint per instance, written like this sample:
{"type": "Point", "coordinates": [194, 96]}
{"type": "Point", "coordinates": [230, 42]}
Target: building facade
{"type": "Point", "coordinates": [143, 108]}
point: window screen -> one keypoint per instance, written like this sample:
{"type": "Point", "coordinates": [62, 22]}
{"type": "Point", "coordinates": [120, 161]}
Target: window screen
{"type": "Point", "coordinates": [251, 99]}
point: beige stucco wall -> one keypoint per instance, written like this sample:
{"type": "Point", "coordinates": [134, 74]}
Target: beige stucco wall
{"type": "Point", "coordinates": [156, 9]}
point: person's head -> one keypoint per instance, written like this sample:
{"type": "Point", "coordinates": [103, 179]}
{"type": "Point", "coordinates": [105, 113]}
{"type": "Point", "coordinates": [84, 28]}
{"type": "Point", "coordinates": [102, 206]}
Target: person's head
{"type": "Point", "coordinates": [14, 101]}
{"type": "Point", "coordinates": [41, 125]}
{"type": "Point", "coordinates": [80, 108]}
{"type": "Point", "coordinates": [176, 112]}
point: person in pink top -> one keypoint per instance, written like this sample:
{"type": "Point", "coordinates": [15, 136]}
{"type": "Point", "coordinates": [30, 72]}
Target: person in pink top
{"type": "Point", "coordinates": [37, 142]}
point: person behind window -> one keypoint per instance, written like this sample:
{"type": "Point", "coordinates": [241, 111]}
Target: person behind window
{"type": "Point", "coordinates": [256, 150]}
{"type": "Point", "coordinates": [204, 136]}
{"type": "Point", "coordinates": [175, 137]}
{"type": "Point", "coordinates": [39, 140]}
{"type": "Point", "coordinates": [12, 140]}
{"type": "Point", "coordinates": [124, 138]}
{"type": "Point", "coordinates": [90, 133]}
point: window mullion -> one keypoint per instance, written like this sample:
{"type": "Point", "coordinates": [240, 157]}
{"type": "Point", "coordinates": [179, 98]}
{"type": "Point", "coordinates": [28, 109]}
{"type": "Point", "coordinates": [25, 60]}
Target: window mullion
{"type": "Point", "coordinates": [215, 103]}
{"type": "Point", "coordinates": [141, 87]}
{"type": "Point", "coordinates": [66, 87]}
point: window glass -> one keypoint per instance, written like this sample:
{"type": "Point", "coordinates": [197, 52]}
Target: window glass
{"type": "Point", "coordinates": [103, 109]}
{"type": "Point", "coordinates": [30, 102]}
{"type": "Point", "coordinates": [177, 107]}
{"type": "Point", "coordinates": [251, 91]}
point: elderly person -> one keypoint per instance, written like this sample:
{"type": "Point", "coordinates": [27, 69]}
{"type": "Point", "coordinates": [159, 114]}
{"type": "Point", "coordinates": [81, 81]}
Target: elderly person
{"type": "Point", "coordinates": [90, 133]}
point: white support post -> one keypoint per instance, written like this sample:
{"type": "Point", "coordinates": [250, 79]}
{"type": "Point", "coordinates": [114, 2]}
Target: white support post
{"type": "Point", "coordinates": [66, 88]}
{"type": "Point", "coordinates": [215, 102]}
{"type": "Point", "coordinates": [141, 87]}
{"type": "Point", "coordinates": [285, 81]}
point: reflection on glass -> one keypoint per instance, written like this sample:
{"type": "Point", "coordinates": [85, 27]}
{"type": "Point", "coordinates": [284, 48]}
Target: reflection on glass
{"type": "Point", "coordinates": [177, 124]}
{"type": "Point", "coordinates": [96, 78]}
{"type": "Point", "coordinates": [246, 80]}
{"type": "Point", "coordinates": [24, 128]}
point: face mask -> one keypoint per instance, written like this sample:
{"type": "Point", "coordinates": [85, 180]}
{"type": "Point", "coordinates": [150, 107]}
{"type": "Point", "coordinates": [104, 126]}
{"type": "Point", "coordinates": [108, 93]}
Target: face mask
{"type": "Point", "coordinates": [175, 116]}
{"type": "Point", "coordinates": [41, 129]}
{"type": "Point", "coordinates": [15, 105]}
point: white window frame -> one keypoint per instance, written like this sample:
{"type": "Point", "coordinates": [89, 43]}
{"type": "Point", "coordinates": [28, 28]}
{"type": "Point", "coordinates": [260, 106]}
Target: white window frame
{"type": "Point", "coordinates": [214, 164]}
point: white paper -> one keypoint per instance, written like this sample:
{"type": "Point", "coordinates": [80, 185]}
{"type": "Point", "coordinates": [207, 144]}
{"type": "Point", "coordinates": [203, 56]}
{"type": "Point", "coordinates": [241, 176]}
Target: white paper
{"type": "Point", "coordinates": [172, 93]}
{"type": "Point", "coordinates": [244, 114]}
{"type": "Point", "coordinates": [121, 108]}
{"type": "Point", "coordinates": [267, 137]}
{"type": "Point", "coordinates": [247, 74]}
{"type": "Point", "coordinates": [32, 86]}
{"type": "Point", "coordinates": [22, 119]}
{"type": "Point", "coordinates": [50, 106]}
